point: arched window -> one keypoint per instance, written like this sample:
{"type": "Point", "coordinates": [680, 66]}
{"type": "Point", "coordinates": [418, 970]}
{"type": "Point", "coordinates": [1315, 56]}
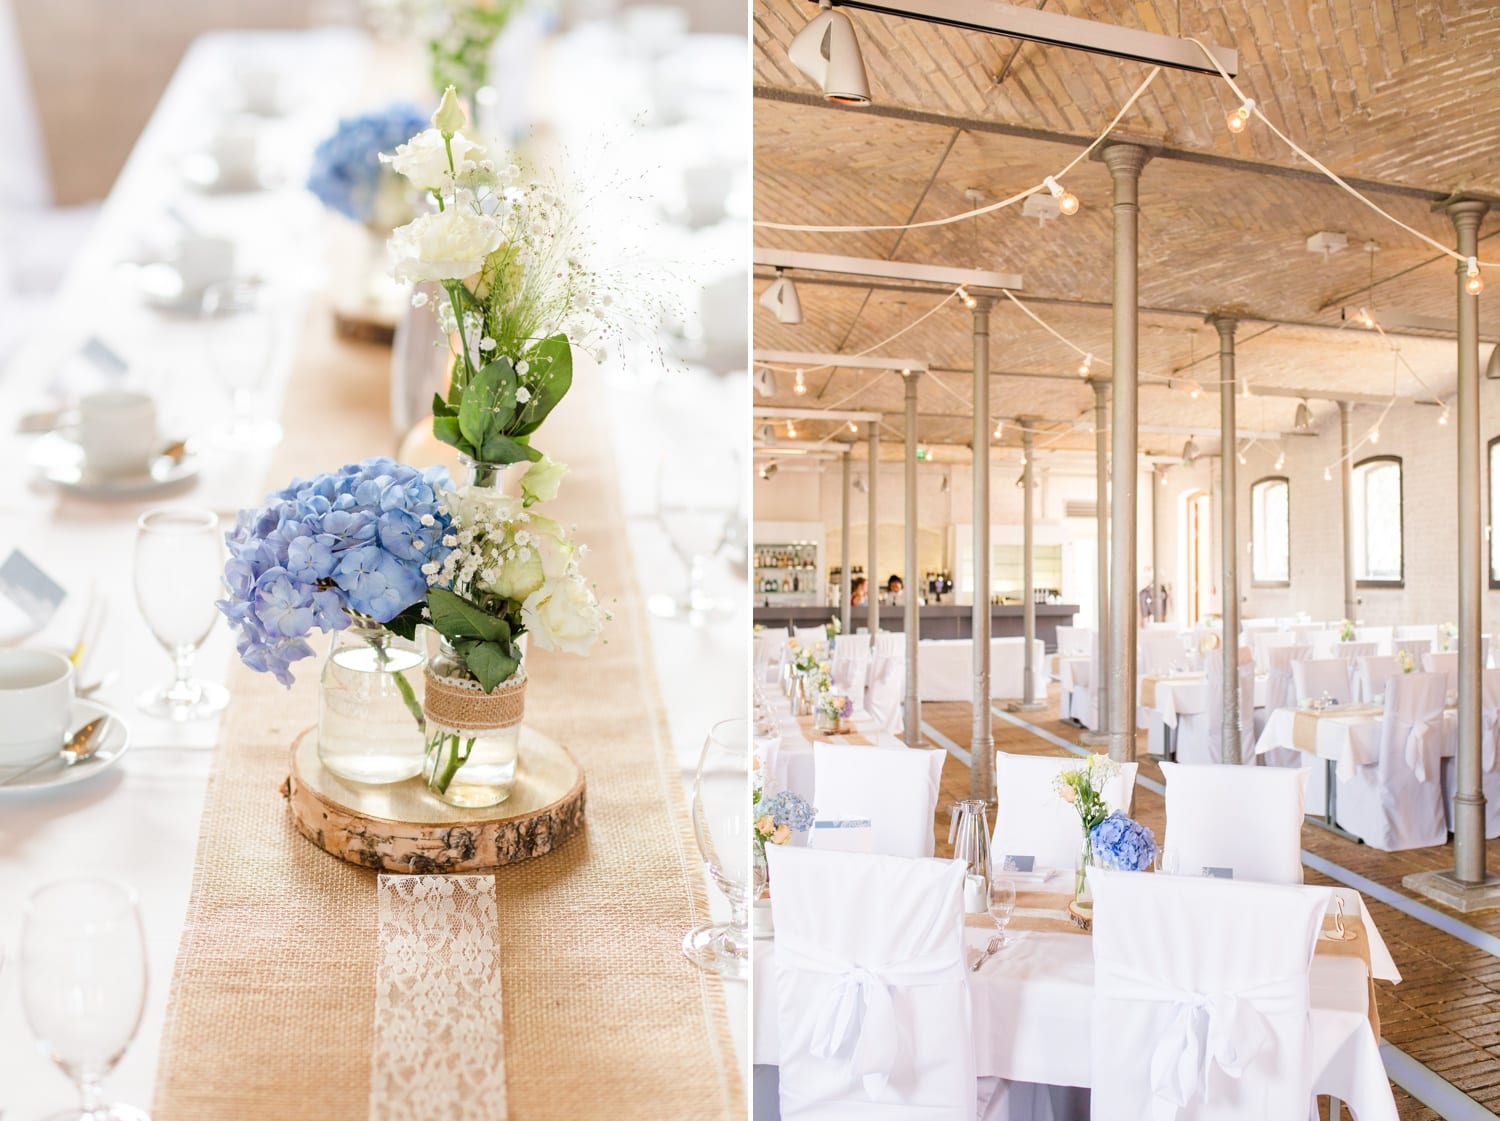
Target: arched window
{"type": "Point", "coordinates": [1271, 532]}
{"type": "Point", "coordinates": [1494, 514]}
{"type": "Point", "coordinates": [1377, 522]}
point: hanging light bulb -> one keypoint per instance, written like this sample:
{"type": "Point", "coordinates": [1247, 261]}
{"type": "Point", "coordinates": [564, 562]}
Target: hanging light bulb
{"type": "Point", "coordinates": [1164, 476]}
{"type": "Point", "coordinates": [1245, 388]}
{"type": "Point", "coordinates": [791, 430]}
{"type": "Point", "coordinates": [1375, 435]}
{"type": "Point", "coordinates": [1194, 389]}
{"type": "Point", "coordinates": [1280, 461]}
{"type": "Point", "coordinates": [1067, 201]}
{"type": "Point", "coordinates": [854, 428]}
{"type": "Point", "coordinates": [999, 428]}
{"type": "Point", "coordinates": [801, 387]}
{"type": "Point", "coordinates": [1241, 457]}
{"type": "Point", "coordinates": [969, 301]}
{"type": "Point", "coordinates": [1189, 452]}
{"type": "Point", "coordinates": [1237, 120]}
{"type": "Point", "coordinates": [1328, 474]}
{"type": "Point", "coordinates": [1366, 319]}
{"type": "Point", "coordinates": [1086, 365]}
{"type": "Point", "coordinates": [1474, 283]}
{"type": "Point", "coordinates": [1443, 416]}
{"type": "Point", "coordinates": [1303, 420]}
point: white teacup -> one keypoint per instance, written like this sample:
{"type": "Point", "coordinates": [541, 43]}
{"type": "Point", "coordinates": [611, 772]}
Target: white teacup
{"type": "Point", "coordinates": [202, 261]}
{"type": "Point", "coordinates": [117, 431]}
{"type": "Point", "coordinates": [260, 86]}
{"type": "Point", "coordinates": [235, 148]}
{"type": "Point", "coordinates": [36, 703]}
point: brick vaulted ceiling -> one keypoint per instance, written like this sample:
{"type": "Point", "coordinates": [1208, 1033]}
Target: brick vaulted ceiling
{"type": "Point", "coordinates": [1403, 97]}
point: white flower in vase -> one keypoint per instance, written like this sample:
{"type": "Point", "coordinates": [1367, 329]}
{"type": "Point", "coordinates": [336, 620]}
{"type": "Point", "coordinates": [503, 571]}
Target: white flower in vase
{"type": "Point", "coordinates": [542, 479]}
{"type": "Point", "coordinates": [444, 246]}
{"type": "Point", "coordinates": [424, 159]}
{"type": "Point", "coordinates": [564, 615]}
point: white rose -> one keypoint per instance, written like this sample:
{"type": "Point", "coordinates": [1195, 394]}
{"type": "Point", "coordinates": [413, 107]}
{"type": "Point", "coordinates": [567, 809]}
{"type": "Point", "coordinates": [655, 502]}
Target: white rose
{"type": "Point", "coordinates": [517, 577]}
{"type": "Point", "coordinates": [563, 615]}
{"type": "Point", "coordinates": [540, 483]}
{"type": "Point", "coordinates": [449, 245]}
{"type": "Point", "coordinates": [551, 542]}
{"type": "Point", "coordinates": [424, 159]}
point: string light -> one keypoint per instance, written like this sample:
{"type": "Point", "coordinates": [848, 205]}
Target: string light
{"type": "Point", "coordinates": [1067, 201]}
{"type": "Point", "coordinates": [1328, 474]}
{"type": "Point", "coordinates": [1367, 319]}
{"type": "Point", "coordinates": [1086, 365]}
{"type": "Point", "coordinates": [854, 428]}
{"type": "Point", "coordinates": [1474, 284]}
{"type": "Point", "coordinates": [969, 301]}
{"type": "Point", "coordinates": [1280, 461]}
{"type": "Point", "coordinates": [1443, 416]}
{"type": "Point", "coordinates": [791, 430]}
{"type": "Point", "coordinates": [1237, 120]}
{"type": "Point", "coordinates": [1194, 389]}
{"type": "Point", "coordinates": [1245, 388]}
{"type": "Point", "coordinates": [801, 387]}
{"type": "Point", "coordinates": [999, 428]}
{"type": "Point", "coordinates": [1164, 476]}
{"type": "Point", "coordinates": [1241, 458]}
{"type": "Point", "coordinates": [1374, 436]}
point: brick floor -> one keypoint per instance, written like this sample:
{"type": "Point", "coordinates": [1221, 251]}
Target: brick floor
{"type": "Point", "coordinates": [1445, 1013]}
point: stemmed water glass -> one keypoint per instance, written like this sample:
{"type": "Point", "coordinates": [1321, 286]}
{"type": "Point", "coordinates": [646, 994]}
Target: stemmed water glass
{"type": "Point", "coordinates": [241, 345]}
{"type": "Point", "coordinates": [721, 826]}
{"type": "Point", "coordinates": [179, 561]}
{"type": "Point", "coordinates": [83, 984]}
{"type": "Point", "coordinates": [1002, 903]}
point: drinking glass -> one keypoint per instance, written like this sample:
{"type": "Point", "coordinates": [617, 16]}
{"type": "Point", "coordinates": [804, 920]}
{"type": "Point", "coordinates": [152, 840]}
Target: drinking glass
{"type": "Point", "coordinates": [1002, 903]}
{"type": "Point", "coordinates": [179, 563]}
{"type": "Point", "coordinates": [241, 343]}
{"type": "Point", "coordinates": [693, 480]}
{"type": "Point", "coordinates": [83, 985]}
{"type": "Point", "coordinates": [1166, 861]}
{"type": "Point", "coordinates": [721, 826]}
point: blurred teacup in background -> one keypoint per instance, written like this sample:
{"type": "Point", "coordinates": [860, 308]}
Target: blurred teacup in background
{"type": "Point", "coordinates": [36, 700]}
{"type": "Point", "coordinates": [117, 432]}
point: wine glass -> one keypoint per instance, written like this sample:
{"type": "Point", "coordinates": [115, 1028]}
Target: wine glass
{"type": "Point", "coordinates": [1002, 903]}
{"type": "Point", "coordinates": [178, 574]}
{"type": "Point", "coordinates": [241, 344]}
{"type": "Point", "coordinates": [692, 481]}
{"type": "Point", "coordinates": [721, 826]}
{"type": "Point", "coordinates": [83, 984]}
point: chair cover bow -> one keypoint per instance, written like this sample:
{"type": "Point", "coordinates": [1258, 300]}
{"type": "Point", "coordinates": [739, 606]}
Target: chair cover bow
{"type": "Point", "coordinates": [1420, 746]}
{"type": "Point", "coordinates": [1488, 736]}
{"type": "Point", "coordinates": [854, 1011]}
{"type": "Point", "coordinates": [1224, 1030]}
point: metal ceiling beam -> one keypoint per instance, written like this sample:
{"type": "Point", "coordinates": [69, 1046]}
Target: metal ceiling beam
{"type": "Point", "coordinates": [1055, 30]}
{"type": "Point", "coordinates": [1182, 155]}
{"type": "Point", "coordinates": [769, 412]}
{"type": "Point", "coordinates": [844, 361]}
{"type": "Point", "coordinates": [880, 268]}
{"type": "Point", "coordinates": [1314, 394]}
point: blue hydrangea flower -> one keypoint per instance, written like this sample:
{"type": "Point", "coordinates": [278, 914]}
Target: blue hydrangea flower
{"type": "Point", "coordinates": [1123, 843]}
{"type": "Point", "coordinates": [787, 808]}
{"type": "Point", "coordinates": [351, 540]}
{"type": "Point", "coordinates": [346, 173]}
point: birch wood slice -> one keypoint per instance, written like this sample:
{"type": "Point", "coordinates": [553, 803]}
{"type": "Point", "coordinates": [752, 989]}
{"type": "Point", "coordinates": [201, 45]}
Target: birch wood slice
{"type": "Point", "coordinates": [402, 828]}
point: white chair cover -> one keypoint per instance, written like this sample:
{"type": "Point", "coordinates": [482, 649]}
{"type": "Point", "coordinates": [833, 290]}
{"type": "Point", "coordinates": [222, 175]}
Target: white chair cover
{"type": "Point", "coordinates": [894, 788]}
{"type": "Point", "coordinates": [809, 636]}
{"type": "Point", "coordinates": [1075, 640]}
{"type": "Point", "coordinates": [1445, 663]}
{"type": "Point", "coordinates": [1396, 802]}
{"type": "Point", "coordinates": [883, 698]}
{"type": "Point", "coordinates": [1416, 648]}
{"type": "Point", "coordinates": [1079, 696]}
{"type": "Point", "coordinates": [1489, 756]}
{"type": "Point", "coordinates": [1160, 651]}
{"type": "Point", "coordinates": [1382, 637]}
{"type": "Point", "coordinates": [770, 650]}
{"type": "Point", "coordinates": [1248, 819]}
{"type": "Point", "coordinates": [1200, 735]}
{"type": "Point", "coordinates": [1281, 692]}
{"type": "Point", "coordinates": [1263, 642]}
{"type": "Point", "coordinates": [872, 1014]}
{"type": "Point", "coordinates": [1370, 676]}
{"type": "Point", "coordinates": [1427, 631]}
{"type": "Point", "coordinates": [1201, 998]}
{"type": "Point", "coordinates": [1315, 676]}
{"type": "Point", "coordinates": [851, 664]}
{"type": "Point", "coordinates": [1350, 650]}
{"type": "Point", "coordinates": [1030, 818]}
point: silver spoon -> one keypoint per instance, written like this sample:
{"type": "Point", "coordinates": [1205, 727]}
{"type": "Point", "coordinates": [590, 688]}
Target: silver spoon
{"type": "Point", "coordinates": [78, 747]}
{"type": "Point", "coordinates": [990, 951]}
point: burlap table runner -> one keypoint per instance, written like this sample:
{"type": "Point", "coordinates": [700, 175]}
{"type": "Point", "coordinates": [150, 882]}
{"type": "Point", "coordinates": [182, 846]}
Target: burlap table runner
{"type": "Point", "coordinates": [807, 725]}
{"type": "Point", "coordinates": [1305, 723]}
{"type": "Point", "coordinates": [1149, 684]}
{"type": "Point", "coordinates": [270, 1016]}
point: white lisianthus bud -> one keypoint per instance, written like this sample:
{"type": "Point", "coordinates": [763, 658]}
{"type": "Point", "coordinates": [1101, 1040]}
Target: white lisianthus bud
{"type": "Point", "coordinates": [449, 117]}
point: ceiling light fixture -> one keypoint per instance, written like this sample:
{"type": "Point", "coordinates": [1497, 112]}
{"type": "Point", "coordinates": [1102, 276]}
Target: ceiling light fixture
{"type": "Point", "coordinates": [999, 428]}
{"type": "Point", "coordinates": [1443, 416]}
{"type": "Point", "coordinates": [1328, 474]}
{"type": "Point", "coordinates": [963, 294]}
{"type": "Point", "coordinates": [1303, 420]}
{"type": "Point", "coordinates": [854, 428]}
{"type": "Point", "coordinates": [1237, 120]}
{"type": "Point", "coordinates": [1067, 201]}
{"type": "Point", "coordinates": [801, 387]}
{"type": "Point", "coordinates": [768, 470]}
{"type": "Point", "coordinates": [1086, 365]}
{"type": "Point", "coordinates": [1189, 452]}
{"type": "Point", "coordinates": [1194, 389]}
{"type": "Point", "coordinates": [1474, 283]}
{"type": "Point", "coordinates": [781, 297]}
{"type": "Point", "coordinates": [827, 53]}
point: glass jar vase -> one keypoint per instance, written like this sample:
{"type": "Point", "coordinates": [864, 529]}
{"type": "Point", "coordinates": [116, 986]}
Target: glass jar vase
{"type": "Point", "coordinates": [370, 707]}
{"type": "Point", "coordinates": [473, 737]}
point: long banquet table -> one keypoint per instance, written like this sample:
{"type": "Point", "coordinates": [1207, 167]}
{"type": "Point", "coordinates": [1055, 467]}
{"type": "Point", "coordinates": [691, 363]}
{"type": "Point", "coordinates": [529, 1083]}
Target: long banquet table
{"type": "Point", "coordinates": [613, 903]}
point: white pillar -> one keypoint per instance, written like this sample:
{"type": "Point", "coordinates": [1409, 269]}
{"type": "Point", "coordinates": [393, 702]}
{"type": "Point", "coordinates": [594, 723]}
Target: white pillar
{"type": "Point", "coordinates": [1229, 574]}
{"type": "Point", "coordinates": [912, 721]}
{"type": "Point", "coordinates": [982, 736]}
{"type": "Point", "coordinates": [872, 597]}
{"type": "Point", "coordinates": [846, 581]}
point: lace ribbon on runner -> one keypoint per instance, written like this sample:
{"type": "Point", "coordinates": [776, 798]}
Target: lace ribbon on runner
{"type": "Point", "coordinates": [439, 1051]}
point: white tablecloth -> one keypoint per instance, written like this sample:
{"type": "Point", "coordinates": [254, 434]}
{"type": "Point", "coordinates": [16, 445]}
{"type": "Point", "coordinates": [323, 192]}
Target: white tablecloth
{"type": "Point", "coordinates": [1033, 1005]}
{"type": "Point", "coordinates": [1347, 741]}
{"type": "Point", "coordinates": [1180, 696]}
{"type": "Point", "coordinates": [945, 668]}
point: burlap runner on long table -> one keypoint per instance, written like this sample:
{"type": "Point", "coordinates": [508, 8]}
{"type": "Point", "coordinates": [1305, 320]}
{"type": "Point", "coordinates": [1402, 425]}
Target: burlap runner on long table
{"type": "Point", "coordinates": [271, 1010]}
{"type": "Point", "coordinates": [1305, 722]}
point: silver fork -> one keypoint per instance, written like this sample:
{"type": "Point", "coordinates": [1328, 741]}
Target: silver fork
{"type": "Point", "coordinates": [990, 951]}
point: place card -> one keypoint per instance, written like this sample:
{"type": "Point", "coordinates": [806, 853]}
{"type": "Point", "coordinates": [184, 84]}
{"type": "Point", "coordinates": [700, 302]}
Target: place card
{"type": "Point", "coordinates": [842, 835]}
{"type": "Point", "coordinates": [1018, 862]}
{"type": "Point", "coordinates": [28, 596]}
{"type": "Point", "coordinates": [1218, 873]}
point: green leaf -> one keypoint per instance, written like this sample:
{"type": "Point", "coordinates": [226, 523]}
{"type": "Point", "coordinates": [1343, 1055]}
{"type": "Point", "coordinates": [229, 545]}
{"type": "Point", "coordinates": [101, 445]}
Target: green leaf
{"type": "Point", "coordinates": [456, 618]}
{"type": "Point", "coordinates": [405, 624]}
{"type": "Point", "coordinates": [443, 408]}
{"type": "Point", "coordinates": [489, 403]}
{"type": "Point", "coordinates": [445, 428]}
{"type": "Point", "coordinates": [489, 662]}
{"type": "Point", "coordinates": [553, 358]}
{"type": "Point", "coordinates": [502, 450]}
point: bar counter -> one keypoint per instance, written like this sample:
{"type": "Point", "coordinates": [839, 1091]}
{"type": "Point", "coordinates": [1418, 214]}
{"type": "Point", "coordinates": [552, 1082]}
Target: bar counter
{"type": "Point", "coordinates": [937, 620]}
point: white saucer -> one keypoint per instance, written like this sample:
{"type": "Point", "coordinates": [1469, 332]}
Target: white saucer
{"type": "Point", "coordinates": [55, 773]}
{"type": "Point", "coordinates": [59, 459]}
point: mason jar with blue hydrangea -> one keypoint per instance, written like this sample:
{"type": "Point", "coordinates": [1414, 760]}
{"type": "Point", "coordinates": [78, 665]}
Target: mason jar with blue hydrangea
{"type": "Point", "coordinates": [343, 552]}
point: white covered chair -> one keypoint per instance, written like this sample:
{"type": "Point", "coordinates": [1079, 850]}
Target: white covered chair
{"type": "Point", "coordinates": [851, 664]}
{"type": "Point", "coordinates": [1263, 642]}
{"type": "Point", "coordinates": [1201, 998]}
{"type": "Point", "coordinates": [1370, 676]}
{"type": "Point", "coordinates": [1247, 819]}
{"type": "Point", "coordinates": [1489, 758]}
{"type": "Point", "coordinates": [895, 789]}
{"type": "Point", "coordinates": [1396, 802]}
{"type": "Point", "coordinates": [883, 697]}
{"type": "Point", "coordinates": [1160, 651]}
{"type": "Point", "coordinates": [770, 649]}
{"type": "Point", "coordinates": [809, 636]}
{"type": "Point", "coordinates": [872, 1000]}
{"type": "Point", "coordinates": [1357, 649]}
{"type": "Point", "coordinates": [1078, 688]}
{"type": "Point", "coordinates": [1445, 663]}
{"type": "Point", "coordinates": [1315, 676]}
{"type": "Point", "coordinates": [1416, 648]}
{"type": "Point", "coordinates": [1382, 637]}
{"type": "Point", "coordinates": [1032, 820]}
{"type": "Point", "coordinates": [1075, 640]}
{"type": "Point", "coordinates": [1427, 631]}
{"type": "Point", "coordinates": [1200, 735]}
{"type": "Point", "coordinates": [1281, 692]}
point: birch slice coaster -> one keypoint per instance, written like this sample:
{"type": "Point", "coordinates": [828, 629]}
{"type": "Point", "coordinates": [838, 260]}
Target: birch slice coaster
{"type": "Point", "coordinates": [402, 828]}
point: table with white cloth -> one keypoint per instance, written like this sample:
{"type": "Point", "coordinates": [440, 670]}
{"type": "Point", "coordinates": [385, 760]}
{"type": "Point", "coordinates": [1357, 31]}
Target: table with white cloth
{"type": "Point", "coordinates": [1033, 1007]}
{"type": "Point", "coordinates": [1343, 742]}
{"type": "Point", "coordinates": [139, 822]}
{"type": "Point", "coordinates": [945, 668]}
{"type": "Point", "coordinates": [787, 753]}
